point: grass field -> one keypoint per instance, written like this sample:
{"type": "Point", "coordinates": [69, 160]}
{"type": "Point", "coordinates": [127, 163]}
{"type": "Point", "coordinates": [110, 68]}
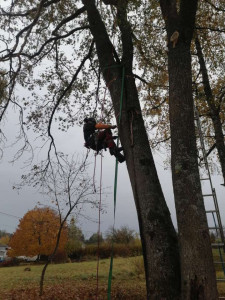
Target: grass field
{"type": "Point", "coordinates": [78, 281]}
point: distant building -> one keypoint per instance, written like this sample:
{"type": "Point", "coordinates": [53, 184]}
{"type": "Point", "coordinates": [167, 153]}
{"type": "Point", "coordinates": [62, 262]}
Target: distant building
{"type": "Point", "coordinates": [3, 251]}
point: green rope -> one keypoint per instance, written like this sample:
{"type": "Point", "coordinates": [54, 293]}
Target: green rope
{"type": "Point", "coordinates": [115, 190]}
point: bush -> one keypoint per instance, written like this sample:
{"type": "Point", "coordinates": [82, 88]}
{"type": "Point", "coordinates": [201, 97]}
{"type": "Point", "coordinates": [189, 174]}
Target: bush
{"type": "Point", "coordinates": [105, 249]}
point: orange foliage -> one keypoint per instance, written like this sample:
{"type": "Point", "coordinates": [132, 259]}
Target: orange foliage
{"type": "Point", "coordinates": [37, 234]}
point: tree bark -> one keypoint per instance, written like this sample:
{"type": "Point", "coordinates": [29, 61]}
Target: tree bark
{"type": "Point", "coordinates": [159, 239]}
{"type": "Point", "coordinates": [198, 279]}
{"type": "Point", "coordinates": [214, 110]}
{"type": "Point", "coordinates": [197, 269]}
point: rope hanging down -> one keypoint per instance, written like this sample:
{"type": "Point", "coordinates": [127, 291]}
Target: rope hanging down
{"type": "Point", "coordinates": [115, 188]}
{"type": "Point", "coordinates": [99, 224]}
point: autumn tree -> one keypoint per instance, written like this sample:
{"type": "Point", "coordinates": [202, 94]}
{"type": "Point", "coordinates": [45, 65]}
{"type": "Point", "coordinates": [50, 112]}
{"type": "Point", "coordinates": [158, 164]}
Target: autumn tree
{"type": "Point", "coordinates": [37, 234]}
{"type": "Point", "coordinates": [209, 75]}
{"type": "Point", "coordinates": [207, 57]}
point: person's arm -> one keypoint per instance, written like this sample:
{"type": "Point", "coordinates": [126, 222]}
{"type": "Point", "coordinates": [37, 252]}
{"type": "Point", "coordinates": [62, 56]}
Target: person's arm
{"type": "Point", "coordinates": [104, 126]}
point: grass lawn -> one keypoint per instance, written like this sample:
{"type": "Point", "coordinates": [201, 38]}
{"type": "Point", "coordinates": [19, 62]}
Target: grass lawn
{"type": "Point", "coordinates": [78, 281]}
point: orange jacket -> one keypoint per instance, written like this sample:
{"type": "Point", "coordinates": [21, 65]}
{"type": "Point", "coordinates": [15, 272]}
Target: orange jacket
{"type": "Point", "coordinates": [103, 126]}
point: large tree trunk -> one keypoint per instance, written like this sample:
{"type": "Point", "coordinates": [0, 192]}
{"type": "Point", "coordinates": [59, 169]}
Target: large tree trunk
{"type": "Point", "coordinates": [158, 236]}
{"type": "Point", "coordinates": [214, 110]}
{"type": "Point", "coordinates": [197, 269]}
{"type": "Point", "coordinates": [198, 280]}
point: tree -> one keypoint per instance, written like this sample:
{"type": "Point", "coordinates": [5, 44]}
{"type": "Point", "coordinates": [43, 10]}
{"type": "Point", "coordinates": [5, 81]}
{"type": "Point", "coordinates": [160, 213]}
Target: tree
{"type": "Point", "coordinates": [159, 239]}
{"type": "Point", "coordinates": [37, 234]}
{"type": "Point", "coordinates": [197, 266]}
{"type": "Point", "coordinates": [124, 235]}
{"type": "Point", "coordinates": [214, 105]}
{"type": "Point", "coordinates": [95, 238]}
{"type": "Point", "coordinates": [69, 186]}
{"type": "Point", "coordinates": [75, 237]}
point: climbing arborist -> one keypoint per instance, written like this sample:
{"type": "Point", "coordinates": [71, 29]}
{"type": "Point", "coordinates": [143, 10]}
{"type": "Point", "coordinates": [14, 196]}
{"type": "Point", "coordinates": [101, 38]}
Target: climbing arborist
{"type": "Point", "coordinates": [98, 140]}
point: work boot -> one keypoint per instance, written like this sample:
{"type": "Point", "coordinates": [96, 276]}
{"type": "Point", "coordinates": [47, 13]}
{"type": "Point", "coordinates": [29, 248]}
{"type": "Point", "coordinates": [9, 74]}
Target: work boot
{"type": "Point", "coordinates": [120, 157]}
{"type": "Point", "coordinates": [116, 152]}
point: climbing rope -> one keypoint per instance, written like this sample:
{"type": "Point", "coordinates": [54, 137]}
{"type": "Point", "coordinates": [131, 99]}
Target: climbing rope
{"type": "Point", "coordinates": [115, 195]}
{"type": "Point", "coordinates": [116, 166]}
{"type": "Point", "coordinates": [99, 228]}
{"type": "Point", "coordinates": [115, 192]}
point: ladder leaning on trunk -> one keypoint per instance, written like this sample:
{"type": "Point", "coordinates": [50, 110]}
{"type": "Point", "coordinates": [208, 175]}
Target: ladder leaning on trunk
{"type": "Point", "coordinates": [216, 225]}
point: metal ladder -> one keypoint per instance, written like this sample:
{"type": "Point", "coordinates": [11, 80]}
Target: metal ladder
{"type": "Point", "coordinates": [214, 212]}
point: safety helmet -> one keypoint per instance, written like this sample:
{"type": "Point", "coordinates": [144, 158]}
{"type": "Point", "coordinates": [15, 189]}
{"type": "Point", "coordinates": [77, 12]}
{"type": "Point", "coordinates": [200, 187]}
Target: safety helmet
{"type": "Point", "coordinates": [90, 120]}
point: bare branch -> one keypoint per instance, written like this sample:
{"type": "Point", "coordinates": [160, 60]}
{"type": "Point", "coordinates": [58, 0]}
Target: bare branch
{"type": "Point", "coordinates": [210, 29]}
{"type": "Point", "coordinates": [66, 90]}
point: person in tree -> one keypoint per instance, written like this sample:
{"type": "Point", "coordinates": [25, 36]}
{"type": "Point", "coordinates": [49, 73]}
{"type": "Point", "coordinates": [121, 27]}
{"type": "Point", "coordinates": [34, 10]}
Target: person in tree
{"type": "Point", "coordinates": [98, 139]}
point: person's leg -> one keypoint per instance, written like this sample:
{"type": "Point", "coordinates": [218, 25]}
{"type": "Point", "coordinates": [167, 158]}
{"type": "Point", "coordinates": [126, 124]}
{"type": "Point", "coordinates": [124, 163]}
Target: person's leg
{"type": "Point", "coordinates": [113, 149]}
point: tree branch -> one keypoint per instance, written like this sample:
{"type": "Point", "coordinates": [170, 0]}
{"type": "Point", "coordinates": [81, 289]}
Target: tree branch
{"type": "Point", "coordinates": [27, 13]}
{"type": "Point", "coordinates": [103, 44]}
{"type": "Point", "coordinates": [66, 90]}
{"type": "Point", "coordinates": [68, 19]}
{"type": "Point", "coordinates": [53, 39]}
{"type": "Point", "coordinates": [210, 28]}
{"type": "Point", "coordinates": [214, 6]}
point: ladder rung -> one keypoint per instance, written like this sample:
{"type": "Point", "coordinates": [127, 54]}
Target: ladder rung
{"type": "Point", "coordinates": [220, 279]}
{"type": "Point", "coordinates": [204, 178]}
{"type": "Point", "coordinates": [208, 195]}
{"type": "Point", "coordinates": [213, 228]}
{"type": "Point", "coordinates": [217, 244]}
{"type": "Point", "coordinates": [219, 262]}
{"type": "Point", "coordinates": [211, 211]}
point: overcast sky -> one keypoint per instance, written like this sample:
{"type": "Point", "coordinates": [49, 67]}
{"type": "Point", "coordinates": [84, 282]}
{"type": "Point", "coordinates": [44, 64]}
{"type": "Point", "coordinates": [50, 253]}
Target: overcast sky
{"type": "Point", "coordinates": [16, 205]}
